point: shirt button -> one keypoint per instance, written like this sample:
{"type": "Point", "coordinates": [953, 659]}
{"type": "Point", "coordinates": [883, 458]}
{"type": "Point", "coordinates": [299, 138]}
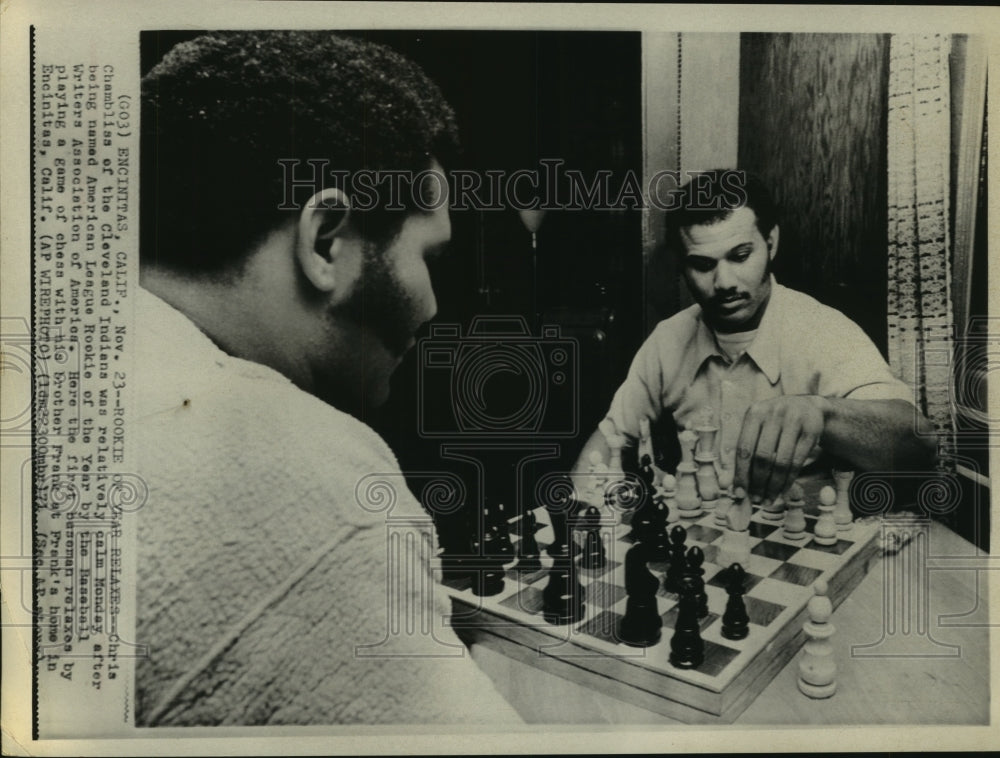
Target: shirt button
{"type": "Point", "coordinates": [726, 416]}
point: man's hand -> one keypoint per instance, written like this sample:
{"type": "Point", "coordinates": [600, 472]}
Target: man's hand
{"type": "Point", "coordinates": [777, 437]}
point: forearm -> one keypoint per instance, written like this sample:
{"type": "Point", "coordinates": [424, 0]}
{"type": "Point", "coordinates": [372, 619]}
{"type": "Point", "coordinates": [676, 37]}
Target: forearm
{"type": "Point", "coordinates": [878, 435]}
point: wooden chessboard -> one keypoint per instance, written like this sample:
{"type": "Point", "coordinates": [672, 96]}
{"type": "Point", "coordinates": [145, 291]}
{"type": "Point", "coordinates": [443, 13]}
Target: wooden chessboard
{"type": "Point", "coordinates": [779, 584]}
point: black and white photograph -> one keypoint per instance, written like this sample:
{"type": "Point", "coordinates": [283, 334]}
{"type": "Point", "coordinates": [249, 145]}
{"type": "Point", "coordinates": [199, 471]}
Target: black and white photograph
{"type": "Point", "coordinates": [426, 378]}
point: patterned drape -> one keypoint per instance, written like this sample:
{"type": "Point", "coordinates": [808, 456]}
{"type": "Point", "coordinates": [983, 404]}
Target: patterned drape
{"type": "Point", "coordinates": [920, 312]}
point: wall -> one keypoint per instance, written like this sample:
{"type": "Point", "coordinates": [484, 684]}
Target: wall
{"type": "Point", "coordinates": [691, 111]}
{"type": "Point", "coordinates": [812, 123]}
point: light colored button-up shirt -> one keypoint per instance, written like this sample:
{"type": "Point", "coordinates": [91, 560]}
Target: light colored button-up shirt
{"type": "Point", "coordinates": [802, 347]}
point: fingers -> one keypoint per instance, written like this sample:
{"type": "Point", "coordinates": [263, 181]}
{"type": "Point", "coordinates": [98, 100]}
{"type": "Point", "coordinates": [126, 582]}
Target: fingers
{"type": "Point", "coordinates": [745, 447]}
{"type": "Point", "coordinates": [783, 458]}
{"type": "Point", "coordinates": [776, 440]}
{"type": "Point", "coordinates": [762, 462]}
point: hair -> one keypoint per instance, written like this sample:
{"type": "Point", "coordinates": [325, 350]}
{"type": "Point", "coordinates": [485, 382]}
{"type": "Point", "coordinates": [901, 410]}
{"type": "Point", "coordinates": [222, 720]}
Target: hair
{"type": "Point", "coordinates": [220, 111]}
{"type": "Point", "coordinates": [712, 196]}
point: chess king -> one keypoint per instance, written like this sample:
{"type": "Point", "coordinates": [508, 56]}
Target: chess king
{"type": "Point", "coordinates": [784, 375]}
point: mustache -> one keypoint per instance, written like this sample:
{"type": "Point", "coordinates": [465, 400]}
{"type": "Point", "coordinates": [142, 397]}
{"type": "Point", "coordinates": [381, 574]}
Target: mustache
{"type": "Point", "coordinates": [730, 297]}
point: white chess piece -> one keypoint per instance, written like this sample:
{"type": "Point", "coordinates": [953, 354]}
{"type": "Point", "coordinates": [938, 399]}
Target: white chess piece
{"type": "Point", "coordinates": [842, 510]}
{"type": "Point", "coordinates": [817, 667]}
{"type": "Point", "coordinates": [735, 545]}
{"type": "Point", "coordinates": [795, 520]}
{"type": "Point", "coordinates": [825, 531]}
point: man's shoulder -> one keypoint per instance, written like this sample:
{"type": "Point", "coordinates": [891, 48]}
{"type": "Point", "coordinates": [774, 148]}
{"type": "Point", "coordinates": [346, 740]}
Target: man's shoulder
{"type": "Point", "coordinates": [680, 327]}
{"type": "Point", "coordinates": [800, 310]}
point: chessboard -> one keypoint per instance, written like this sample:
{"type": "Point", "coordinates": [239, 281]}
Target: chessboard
{"type": "Point", "coordinates": [779, 583]}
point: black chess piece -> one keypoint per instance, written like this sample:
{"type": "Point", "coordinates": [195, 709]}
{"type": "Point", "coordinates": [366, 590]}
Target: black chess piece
{"type": "Point", "coordinates": [735, 621]}
{"type": "Point", "coordinates": [487, 578]}
{"type": "Point", "coordinates": [592, 556]}
{"type": "Point", "coordinates": [646, 472]}
{"type": "Point", "coordinates": [497, 526]}
{"type": "Point", "coordinates": [558, 520]}
{"type": "Point", "coordinates": [487, 569]}
{"type": "Point", "coordinates": [687, 649]}
{"type": "Point", "coordinates": [644, 518]}
{"type": "Point", "coordinates": [563, 596]}
{"type": "Point", "coordinates": [678, 562]}
{"type": "Point", "coordinates": [660, 544]}
{"type": "Point", "coordinates": [641, 625]}
{"type": "Point", "coordinates": [527, 546]}
{"type": "Point", "coordinates": [696, 557]}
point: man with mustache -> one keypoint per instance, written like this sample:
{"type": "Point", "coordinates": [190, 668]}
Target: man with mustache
{"type": "Point", "coordinates": [782, 374]}
{"type": "Point", "coordinates": [272, 589]}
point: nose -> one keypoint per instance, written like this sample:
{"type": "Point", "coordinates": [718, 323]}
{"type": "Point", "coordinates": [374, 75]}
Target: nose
{"type": "Point", "coordinates": [725, 277]}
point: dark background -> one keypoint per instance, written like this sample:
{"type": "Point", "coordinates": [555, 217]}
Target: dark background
{"type": "Point", "coordinates": [812, 122]}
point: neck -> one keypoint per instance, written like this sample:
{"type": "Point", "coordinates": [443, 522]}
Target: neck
{"type": "Point", "coordinates": [243, 317]}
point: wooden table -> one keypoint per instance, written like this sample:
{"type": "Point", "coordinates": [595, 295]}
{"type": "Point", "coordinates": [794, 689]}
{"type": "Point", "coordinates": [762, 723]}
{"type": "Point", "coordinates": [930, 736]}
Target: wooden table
{"type": "Point", "coordinates": [925, 662]}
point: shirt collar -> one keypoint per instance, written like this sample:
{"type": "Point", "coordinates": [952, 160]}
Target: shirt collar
{"type": "Point", "coordinates": [765, 350]}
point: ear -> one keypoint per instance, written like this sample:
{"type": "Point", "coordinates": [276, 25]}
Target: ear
{"type": "Point", "coordinates": [772, 242]}
{"type": "Point", "coordinates": [324, 226]}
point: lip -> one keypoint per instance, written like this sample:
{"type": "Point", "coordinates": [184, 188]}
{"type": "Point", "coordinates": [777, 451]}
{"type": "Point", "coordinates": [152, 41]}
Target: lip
{"type": "Point", "coordinates": [732, 305]}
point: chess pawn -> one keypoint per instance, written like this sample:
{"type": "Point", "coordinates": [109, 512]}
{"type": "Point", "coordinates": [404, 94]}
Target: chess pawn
{"type": "Point", "coordinates": [825, 531]}
{"type": "Point", "coordinates": [688, 502]}
{"type": "Point", "coordinates": [678, 561]}
{"type": "Point", "coordinates": [817, 667]}
{"type": "Point", "coordinates": [795, 519]}
{"type": "Point", "coordinates": [842, 510]}
{"type": "Point", "coordinates": [695, 557]}
{"type": "Point", "coordinates": [669, 486]}
{"type": "Point", "coordinates": [687, 649]}
{"type": "Point", "coordinates": [659, 544]}
{"type": "Point", "coordinates": [772, 510]}
{"type": "Point", "coordinates": [593, 556]}
{"type": "Point", "coordinates": [735, 620]}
